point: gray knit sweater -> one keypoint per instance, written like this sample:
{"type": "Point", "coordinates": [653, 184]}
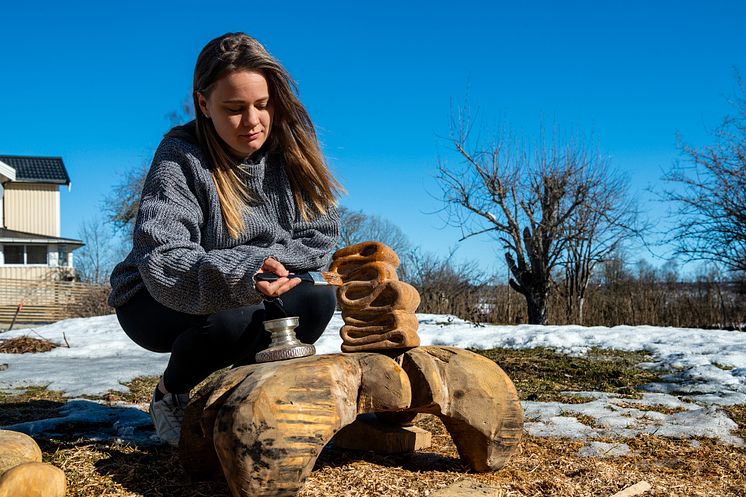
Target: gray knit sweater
{"type": "Point", "coordinates": [182, 252]}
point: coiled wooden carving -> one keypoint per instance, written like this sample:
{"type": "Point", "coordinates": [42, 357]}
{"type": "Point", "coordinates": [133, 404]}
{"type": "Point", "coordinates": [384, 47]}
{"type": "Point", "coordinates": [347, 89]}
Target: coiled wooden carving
{"type": "Point", "coordinates": [377, 308]}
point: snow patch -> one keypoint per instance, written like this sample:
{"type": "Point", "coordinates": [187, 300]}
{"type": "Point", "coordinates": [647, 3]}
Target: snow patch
{"type": "Point", "coordinates": [603, 449]}
{"type": "Point", "coordinates": [709, 371]}
{"type": "Point", "coordinates": [610, 415]}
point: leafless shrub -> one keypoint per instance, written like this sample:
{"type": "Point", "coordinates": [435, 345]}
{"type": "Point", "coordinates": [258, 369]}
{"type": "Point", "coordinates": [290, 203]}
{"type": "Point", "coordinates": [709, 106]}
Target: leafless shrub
{"type": "Point", "coordinates": [357, 226]}
{"type": "Point", "coordinates": [92, 301]}
{"type": "Point", "coordinates": [447, 286]}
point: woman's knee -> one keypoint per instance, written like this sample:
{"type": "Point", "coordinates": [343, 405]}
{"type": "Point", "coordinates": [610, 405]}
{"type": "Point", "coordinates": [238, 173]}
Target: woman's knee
{"type": "Point", "coordinates": [232, 325]}
{"type": "Point", "coordinates": [151, 325]}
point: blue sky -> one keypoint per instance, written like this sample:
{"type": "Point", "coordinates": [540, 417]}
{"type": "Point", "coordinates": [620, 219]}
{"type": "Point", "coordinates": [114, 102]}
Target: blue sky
{"type": "Point", "coordinates": [93, 83]}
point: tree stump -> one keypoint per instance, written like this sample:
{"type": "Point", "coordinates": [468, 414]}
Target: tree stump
{"type": "Point", "coordinates": [263, 426]}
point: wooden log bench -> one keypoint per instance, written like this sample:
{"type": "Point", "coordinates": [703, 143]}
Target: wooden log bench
{"type": "Point", "coordinates": [263, 426]}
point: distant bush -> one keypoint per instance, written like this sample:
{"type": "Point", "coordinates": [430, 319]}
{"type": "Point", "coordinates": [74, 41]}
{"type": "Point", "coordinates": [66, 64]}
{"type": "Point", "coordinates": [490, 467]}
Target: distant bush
{"type": "Point", "coordinates": [617, 295]}
{"type": "Point", "coordinates": [649, 297]}
{"type": "Point", "coordinates": [91, 302]}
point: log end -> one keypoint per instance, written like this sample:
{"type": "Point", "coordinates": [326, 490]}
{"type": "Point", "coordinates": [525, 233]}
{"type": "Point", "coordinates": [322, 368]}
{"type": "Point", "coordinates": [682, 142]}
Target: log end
{"type": "Point", "coordinates": [17, 448]}
{"type": "Point", "coordinates": [33, 479]}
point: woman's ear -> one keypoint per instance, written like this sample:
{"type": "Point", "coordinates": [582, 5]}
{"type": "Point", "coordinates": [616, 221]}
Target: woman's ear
{"type": "Point", "coordinates": [203, 105]}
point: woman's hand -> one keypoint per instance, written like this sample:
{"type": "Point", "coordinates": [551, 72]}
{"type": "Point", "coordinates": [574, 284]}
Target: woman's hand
{"type": "Point", "coordinates": [275, 288]}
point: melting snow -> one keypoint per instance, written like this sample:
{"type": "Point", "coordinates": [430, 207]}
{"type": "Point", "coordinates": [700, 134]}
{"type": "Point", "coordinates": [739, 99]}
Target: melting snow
{"type": "Point", "coordinates": [709, 371]}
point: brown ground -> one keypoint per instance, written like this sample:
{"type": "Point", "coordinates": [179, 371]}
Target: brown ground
{"type": "Point", "coordinates": [540, 467]}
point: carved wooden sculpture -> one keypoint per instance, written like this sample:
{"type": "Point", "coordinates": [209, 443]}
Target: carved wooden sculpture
{"type": "Point", "coordinates": [264, 425]}
{"type": "Point", "coordinates": [377, 308]}
{"type": "Point", "coordinates": [22, 474]}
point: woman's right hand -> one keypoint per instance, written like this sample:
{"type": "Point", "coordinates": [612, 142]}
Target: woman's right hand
{"type": "Point", "coordinates": [281, 285]}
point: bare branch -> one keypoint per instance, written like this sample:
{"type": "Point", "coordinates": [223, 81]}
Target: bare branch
{"type": "Point", "coordinates": [537, 205]}
{"type": "Point", "coordinates": [708, 192]}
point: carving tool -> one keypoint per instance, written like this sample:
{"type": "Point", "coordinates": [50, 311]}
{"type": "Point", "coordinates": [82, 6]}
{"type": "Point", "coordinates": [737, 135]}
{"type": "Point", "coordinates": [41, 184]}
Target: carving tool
{"type": "Point", "coordinates": [315, 277]}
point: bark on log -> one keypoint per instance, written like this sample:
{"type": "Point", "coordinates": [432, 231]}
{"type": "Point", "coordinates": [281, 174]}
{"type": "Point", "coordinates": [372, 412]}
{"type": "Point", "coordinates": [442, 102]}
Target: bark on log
{"type": "Point", "coordinates": [265, 424]}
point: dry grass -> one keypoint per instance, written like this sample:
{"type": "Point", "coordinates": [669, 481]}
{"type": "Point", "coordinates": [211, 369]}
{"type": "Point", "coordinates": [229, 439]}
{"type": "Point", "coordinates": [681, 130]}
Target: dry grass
{"type": "Point", "coordinates": [543, 374]}
{"type": "Point", "coordinates": [540, 467]}
{"type": "Point", "coordinates": [33, 404]}
{"type": "Point", "coordinates": [584, 418]}
{"type": "Point", "coordinates": [654, 408]}
{"type": "Point", "coordinates": [96, 469]}
{"type": "Point", "coordinates": [25, 344]}
{"type": "Point", "coordinates": [738, 414]}
{"type": "Point", "coordinates": [140, 391]}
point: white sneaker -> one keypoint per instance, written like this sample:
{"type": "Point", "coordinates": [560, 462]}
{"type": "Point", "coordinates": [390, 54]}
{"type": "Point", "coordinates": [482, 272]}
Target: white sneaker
{"type": "Point", "coordinates": [167, 415]}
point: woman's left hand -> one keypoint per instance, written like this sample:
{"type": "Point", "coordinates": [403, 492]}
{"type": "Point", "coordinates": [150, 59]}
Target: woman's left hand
{"type": "Point", "coordinates": [281, 285]}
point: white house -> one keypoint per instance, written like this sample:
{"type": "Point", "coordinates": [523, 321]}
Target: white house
{"type": "Point", "coordinates": [30, 244]}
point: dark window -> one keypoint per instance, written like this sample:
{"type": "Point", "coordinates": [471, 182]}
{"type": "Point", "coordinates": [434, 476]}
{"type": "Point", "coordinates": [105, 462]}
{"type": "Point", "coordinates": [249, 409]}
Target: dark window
{"type": "Point", "coordinates": [13, 254]}
{"type": "Point", "coordinates": [36, 254]}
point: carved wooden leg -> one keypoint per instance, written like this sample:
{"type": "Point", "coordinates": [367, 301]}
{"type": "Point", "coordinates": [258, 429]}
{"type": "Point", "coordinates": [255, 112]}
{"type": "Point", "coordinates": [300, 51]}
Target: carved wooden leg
{"type": "Point", "coordinates": [475, 399]}
{"type": "Point", "coordinates": [272, 427]}
{"type": "Point", "coordinates": [269, 422]}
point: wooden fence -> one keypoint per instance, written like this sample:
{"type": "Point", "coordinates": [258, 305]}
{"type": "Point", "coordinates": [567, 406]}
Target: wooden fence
{"type": "Point", "coordinates": [42, 301]}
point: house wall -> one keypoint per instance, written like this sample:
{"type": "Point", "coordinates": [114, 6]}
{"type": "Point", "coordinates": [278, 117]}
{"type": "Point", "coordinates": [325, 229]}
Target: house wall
{"type": "Point", "coordinates": [2, 202]}
{"type": "Point", "coordinates": [55, 268]}
{"type": "Point", "coordinates": [27, 273]}
{"type": "Point", "coordinates": [32, 208]}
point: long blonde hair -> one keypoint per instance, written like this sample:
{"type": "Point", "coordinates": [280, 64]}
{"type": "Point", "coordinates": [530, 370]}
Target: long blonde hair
{"type": "Point", "coordinates": [293, 138]}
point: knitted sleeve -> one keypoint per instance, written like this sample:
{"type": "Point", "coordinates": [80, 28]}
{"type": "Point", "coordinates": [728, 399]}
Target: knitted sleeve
{"type": "Point", "coordinates": [313, 242]}
{"type": "Point", "coordinates": [175, 268]}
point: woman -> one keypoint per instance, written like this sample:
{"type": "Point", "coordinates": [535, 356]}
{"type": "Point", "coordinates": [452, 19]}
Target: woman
{"type": "Point", "coordinates": [243, 189]}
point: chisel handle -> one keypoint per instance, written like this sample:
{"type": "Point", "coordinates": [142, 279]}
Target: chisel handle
{"type": "Point", "coordinates": [272, 276]}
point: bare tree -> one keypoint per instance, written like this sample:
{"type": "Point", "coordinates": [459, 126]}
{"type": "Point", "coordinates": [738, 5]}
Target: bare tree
{"type": "Point", "coordinates": [595, 231]}
{"type": "Point", "coordinates": [524, 199]}
{"type": "Point", "coordinates": [708, 189]}
{"type": "Point", "coordinates": [357, 226]}
{"type": "Point", "coordinates": [446, 286]}
{"type": "Point", "coordinates": [122, 204]}
{"type": "Point", "coordinates": [96, 259]}
{"type": "Point", "coordinates": [184, 113]}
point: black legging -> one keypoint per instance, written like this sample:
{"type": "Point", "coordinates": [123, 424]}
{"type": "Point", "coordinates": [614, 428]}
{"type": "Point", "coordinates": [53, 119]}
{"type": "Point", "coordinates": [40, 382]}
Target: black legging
{"type": "Point", "coordinates": [200, 345]}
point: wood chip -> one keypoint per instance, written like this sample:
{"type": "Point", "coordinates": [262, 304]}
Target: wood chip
{"type": "Point", "coordinates": [636, 489]}
{"type": "Point", "coordinates": [467, 488]}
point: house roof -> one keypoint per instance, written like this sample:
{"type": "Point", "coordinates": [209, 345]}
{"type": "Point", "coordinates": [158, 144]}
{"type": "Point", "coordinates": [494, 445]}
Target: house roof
{"type": "Point", "coordinates": [30, 169]}
{"type": "Point", "coordinates": [12, 236]}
